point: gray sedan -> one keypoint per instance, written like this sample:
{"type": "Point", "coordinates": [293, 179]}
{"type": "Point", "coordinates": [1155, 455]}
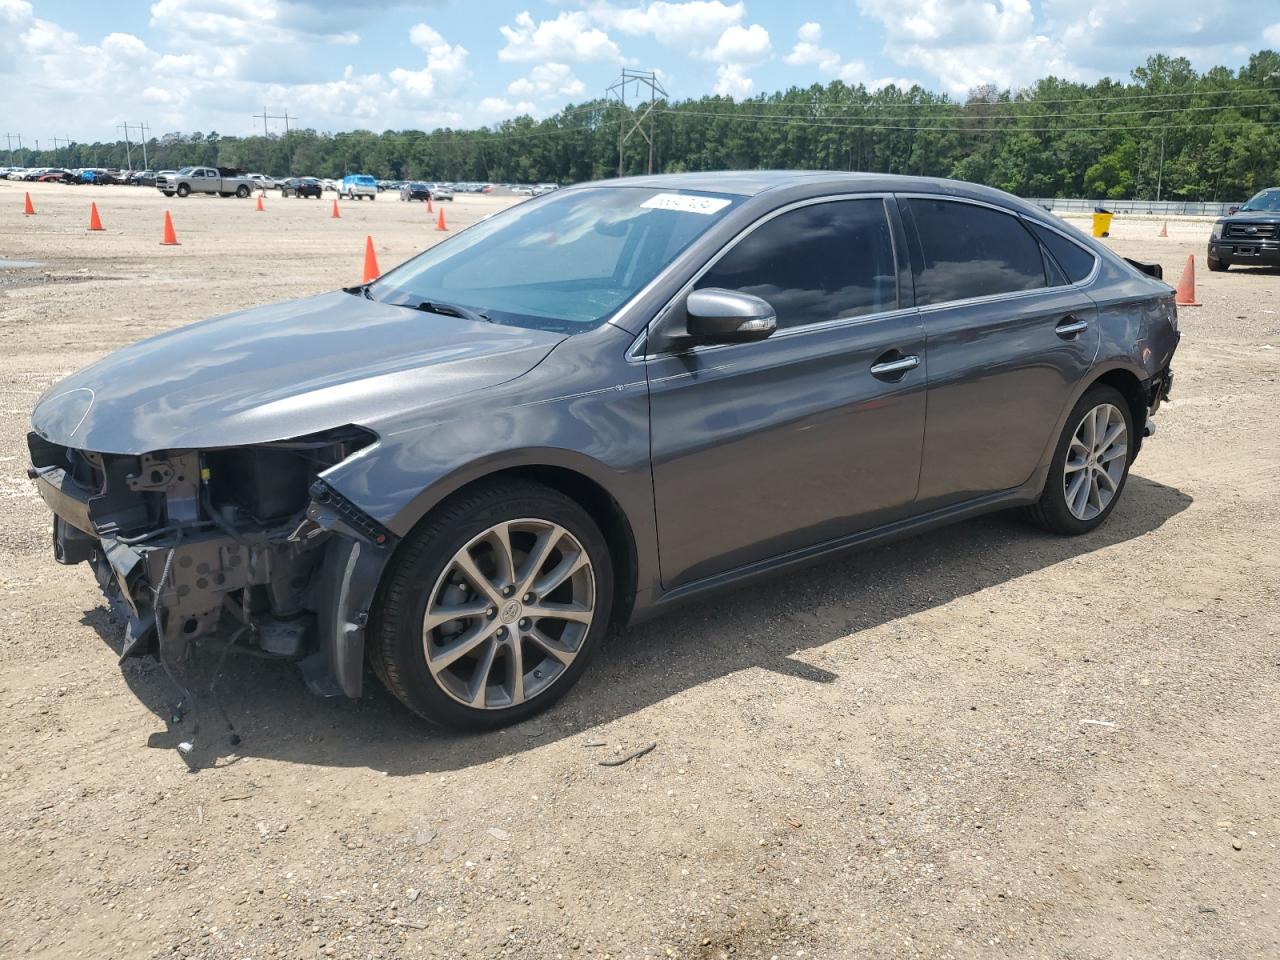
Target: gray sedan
{"type": "Point", "coordinates": [593, 406]}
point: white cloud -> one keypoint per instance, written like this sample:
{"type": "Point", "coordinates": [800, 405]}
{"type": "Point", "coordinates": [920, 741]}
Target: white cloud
{"type": "Point", "coordinates": [741, 45]}
{"type": "Point", "coordinates": [547, 80]}
{"type": "Point", "coordinates": [732, 81]}
{"type": "Point", "coordinates": [809, 52]}
{"type": "Point", "coordinates": [444, 70]}
{"type": "Point", "coordinates": [497, 107]}
{"type": "Point", "coordinates": [568, 37]}
{"type": "Point", "coordinates": [689, 25]}
{"type": "Point", "coordinates": [964, 43]}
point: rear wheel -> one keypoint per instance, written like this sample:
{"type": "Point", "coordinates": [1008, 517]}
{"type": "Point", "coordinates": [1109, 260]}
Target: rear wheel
{"type": "Point", "coordinates": [242, 191]}
{"type": "Point", "coordinates": [1090, 464]}
{"type": "Point", "coordinates": [493, 607]}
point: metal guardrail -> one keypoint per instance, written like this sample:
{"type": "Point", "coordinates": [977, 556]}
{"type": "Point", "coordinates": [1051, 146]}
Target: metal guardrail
{"type": "Point", "coordinates": [1158, 208]}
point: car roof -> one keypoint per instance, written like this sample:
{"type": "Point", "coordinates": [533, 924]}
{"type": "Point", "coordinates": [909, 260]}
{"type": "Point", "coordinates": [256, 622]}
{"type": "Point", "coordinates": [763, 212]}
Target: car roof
{"type": "Point", "coordinates": [752, 183]}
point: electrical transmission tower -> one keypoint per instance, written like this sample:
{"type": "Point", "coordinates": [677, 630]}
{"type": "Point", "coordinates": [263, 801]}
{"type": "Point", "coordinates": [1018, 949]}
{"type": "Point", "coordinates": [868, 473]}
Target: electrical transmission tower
{"type": "Point", "coordinates": [142, 129]}
{"type": "Point", "coordinates": [264, 116]}
{"type": "Point", "coordinates": [643, 83]}
{"type": "Point", "coordinates": [9, 138]}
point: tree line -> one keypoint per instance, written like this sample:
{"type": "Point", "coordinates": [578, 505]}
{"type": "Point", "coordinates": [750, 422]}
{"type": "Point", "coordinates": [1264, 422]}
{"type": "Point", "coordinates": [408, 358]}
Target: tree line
{"type": "Point", "coordinates": [1170, 132]}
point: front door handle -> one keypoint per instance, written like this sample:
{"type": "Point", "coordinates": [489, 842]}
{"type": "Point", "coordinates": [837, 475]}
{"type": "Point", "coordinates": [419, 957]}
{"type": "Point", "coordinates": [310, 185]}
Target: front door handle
{"type": "Point", "coordinates": [894, 369]}
{"type": "Point", "coordinates": [1070, 326]}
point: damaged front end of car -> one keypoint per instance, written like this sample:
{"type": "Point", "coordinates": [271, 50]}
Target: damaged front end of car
{"type": "Point", "coordinates": [247, 545]}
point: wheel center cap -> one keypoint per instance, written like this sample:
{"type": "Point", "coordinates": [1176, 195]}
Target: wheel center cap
{"type": "Point", "coordinates": [510, 612]}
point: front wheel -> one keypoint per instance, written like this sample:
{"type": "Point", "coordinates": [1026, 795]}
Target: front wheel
{"type": "Point", "coordinates": [1090, 464]}
{"type": "Point", "coordinates": [184, 190]}
{"type": "Point", "coordinates": [1217, 266]}
{"type": "Point", "coordinates": [493, 606]}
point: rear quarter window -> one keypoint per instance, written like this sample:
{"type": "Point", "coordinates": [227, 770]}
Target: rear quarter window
{"type": "Point", "coordinates": [1075, 262]}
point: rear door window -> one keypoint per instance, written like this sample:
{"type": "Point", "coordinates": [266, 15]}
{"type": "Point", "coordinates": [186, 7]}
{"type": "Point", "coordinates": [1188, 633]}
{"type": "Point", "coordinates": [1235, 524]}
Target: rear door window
{"type": "Point", "coordinates": [966, 250]}
{"type": "Point", "coordinates": [824, 261]}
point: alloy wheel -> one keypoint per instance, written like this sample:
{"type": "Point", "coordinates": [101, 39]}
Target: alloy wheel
{"type": "Point", "coordinates": [509, 614]}
{"type": "Point", "coordinates": [1096, 459]}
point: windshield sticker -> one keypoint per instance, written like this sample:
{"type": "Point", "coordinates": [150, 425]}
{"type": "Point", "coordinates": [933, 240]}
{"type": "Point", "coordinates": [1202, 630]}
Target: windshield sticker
{"type": "Point", "coordinates": [685, 204]}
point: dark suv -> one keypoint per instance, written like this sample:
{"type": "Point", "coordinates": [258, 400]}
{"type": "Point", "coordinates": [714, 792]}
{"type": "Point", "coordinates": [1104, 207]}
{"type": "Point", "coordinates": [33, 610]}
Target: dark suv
{"type": "Point", "coordinates": [591, 406]}
{"type": "Point", "coordinates": [1250, 236]}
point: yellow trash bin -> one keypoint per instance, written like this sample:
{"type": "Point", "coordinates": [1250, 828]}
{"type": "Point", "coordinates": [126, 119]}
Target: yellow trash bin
{"type": "Point", "coordinates": [1101, 223]}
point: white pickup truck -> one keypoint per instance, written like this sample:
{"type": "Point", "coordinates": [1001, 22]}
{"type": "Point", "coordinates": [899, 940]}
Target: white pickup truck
{"type": "Point", "coordinates": [219, 180]}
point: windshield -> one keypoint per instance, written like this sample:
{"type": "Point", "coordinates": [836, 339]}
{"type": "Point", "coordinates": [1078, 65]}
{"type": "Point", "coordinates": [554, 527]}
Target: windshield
{"type": "Point", "coordinates": [186, 171]}
{"type": "Point", "coordinates": [362, 181]}
{"type": "Point", "coordinates": [1266, 200]}
{"type": "Point", "coordinates": [565, 264]}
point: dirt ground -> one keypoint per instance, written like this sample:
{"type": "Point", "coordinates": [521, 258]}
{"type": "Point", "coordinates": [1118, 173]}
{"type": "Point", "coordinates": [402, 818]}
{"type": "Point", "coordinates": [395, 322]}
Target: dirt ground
{"type": "Point", "coordinates": [983, 742]}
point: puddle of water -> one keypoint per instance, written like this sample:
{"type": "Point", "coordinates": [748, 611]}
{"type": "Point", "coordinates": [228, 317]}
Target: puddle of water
{"type": "Point", "coordinates": [6, 264]}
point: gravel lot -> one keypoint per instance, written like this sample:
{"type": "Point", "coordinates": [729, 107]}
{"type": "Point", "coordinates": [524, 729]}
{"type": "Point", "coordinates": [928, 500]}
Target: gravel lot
{"type": "Point", "coordinates": [984, 742]}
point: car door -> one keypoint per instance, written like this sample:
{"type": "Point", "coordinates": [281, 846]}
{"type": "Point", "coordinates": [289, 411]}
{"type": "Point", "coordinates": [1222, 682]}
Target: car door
{"type": "Point", "coordinates": [760, 449]}
{"type": "Point", "coordinates": [1008, 337]}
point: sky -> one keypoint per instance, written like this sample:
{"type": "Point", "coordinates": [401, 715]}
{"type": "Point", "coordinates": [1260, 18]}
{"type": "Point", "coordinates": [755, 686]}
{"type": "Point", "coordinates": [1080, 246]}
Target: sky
{"type": "Point", "coordinates": [77, 68]}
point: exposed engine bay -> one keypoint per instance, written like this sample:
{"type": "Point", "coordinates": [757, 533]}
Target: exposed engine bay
{"type": "Point", "coordinates": [248, 544]}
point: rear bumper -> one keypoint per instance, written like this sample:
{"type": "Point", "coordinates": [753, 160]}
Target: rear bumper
{"type": "Point", "coordinates": [1235, 250]}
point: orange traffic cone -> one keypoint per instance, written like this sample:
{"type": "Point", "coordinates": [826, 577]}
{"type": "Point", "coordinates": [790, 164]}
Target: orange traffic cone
{"type": "Point", "coordinates": [28, 209]}
{"type": "Point", "coordinates": [1186, 295]}
{"type": "Point", "coordinates": [95, 221]}
{"type": "Point", "coordinates": [430, 209]}
{"type": "Point", "coordinates": [1164, 230]}
{"type": "Point", "coordinates": [259, 203]}
{"type": "Point", "coordinates": [170, 238]}
{"type": "Point", "coordinates": [335, 215]}
{"type": "Point", "coordinates": [371, 271]}
{"type": "Point", "coordinates": [440, 221]}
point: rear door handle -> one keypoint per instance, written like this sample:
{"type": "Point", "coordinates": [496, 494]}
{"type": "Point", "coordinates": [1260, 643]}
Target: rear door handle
{"type": "Point", "coordinates": [1070, 326]}
{"type": "Point", "coordinates": [894, 369]}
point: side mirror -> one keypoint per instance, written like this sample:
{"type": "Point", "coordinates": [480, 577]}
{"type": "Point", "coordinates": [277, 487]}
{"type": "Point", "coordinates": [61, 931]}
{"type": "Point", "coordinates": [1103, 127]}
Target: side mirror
{"type": "Point", "coordinates": [725, 316]}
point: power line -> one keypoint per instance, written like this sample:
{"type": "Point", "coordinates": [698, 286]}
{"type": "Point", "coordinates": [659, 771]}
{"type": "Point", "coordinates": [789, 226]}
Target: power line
{"type": "Point", "coordinates": [1039, 98]}
{"type": "Point", "coordinates": [997, 116]}
{"type": "Point", "coordinates": [921, 126]}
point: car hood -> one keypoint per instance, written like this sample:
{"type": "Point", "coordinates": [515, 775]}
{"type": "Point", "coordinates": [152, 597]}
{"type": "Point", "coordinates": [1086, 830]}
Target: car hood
{"type": "Point", "coordinates": [1252, 216]}
{"type": "Point", "coordinates": [281, 371]}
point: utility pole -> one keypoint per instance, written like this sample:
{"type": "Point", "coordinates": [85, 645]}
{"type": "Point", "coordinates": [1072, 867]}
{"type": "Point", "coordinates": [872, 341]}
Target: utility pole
{"type": "Point", "coordinates": [264, 116]}
{"type": "Point", "coordinates": [128, 149]}
{"type": "Point", "coordinates": [1160, 171]}
{"type": "Point", "coordinates": [627, 127]}
{"type": "Point", "coordinates": [58, 140]}
{"type": "Point", "coordinates": [142, 129]}
{"type": "Point", "coordinates": [9, 138]}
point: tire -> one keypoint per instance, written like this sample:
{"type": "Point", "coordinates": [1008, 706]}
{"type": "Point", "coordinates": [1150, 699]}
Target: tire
{"type": "Point", "coordinates": [1217, 266]}
{"type": "Point", "coordinates": [424, 574]}
{"type": "Point", "coordinates": [184, 191]}
{"type": "Point", "coordinates": [1053, 511]}
{"type": "Point", "coordinates": [242, 191]}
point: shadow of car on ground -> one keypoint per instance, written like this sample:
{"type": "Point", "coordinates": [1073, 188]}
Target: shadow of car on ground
{"type": "Point", "coordinates": [754, 626]}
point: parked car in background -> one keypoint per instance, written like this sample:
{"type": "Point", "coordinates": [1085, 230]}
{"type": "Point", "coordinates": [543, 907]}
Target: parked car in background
{"type": "Point", "coordinates": [223, 181]}
{"type": "Point", "coordinates": [301, 187]}
{"type": "Point", "coordinates": [415, 190]}
{"type": "Point", "coordinates": [262, 181]}
{"type": "Point", "coordinates": [1249, 235]}
{"type": "Point", "coordinates": [542, 188]}
{"type": "Point", "coordinates": [143, 178]}
{"type": "Point", "coordinates": [357, 186]}
{"type": "Point", "coordinates": [53, 175]}
{"type": "Point", "coordinates": [98, 176]}
{"type": "Point", "coordinates": [463, 472]}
